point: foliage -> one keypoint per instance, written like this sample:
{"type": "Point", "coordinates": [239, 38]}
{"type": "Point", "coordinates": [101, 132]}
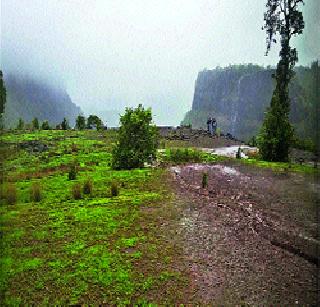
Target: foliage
{"type": "Point", "coordinates": [65, 124]}
{"type": "Point", "coordinates": [137, 139]}
{"type": "Point", "coordinates": [20, 125]}
{"type": "Point", "coordinates": [35, 192]}
{"type": "Point", "coordinates": [35, 124]}
{"type": "Point", "coordinates": [284, 18]}
{"type": "Point", "coordinates": [276, 134]}
{"type": "Point", "coordinates": [80, 122]}
{"type": "Point", "coordinates": [45, 125]}
{"type": "Point", "coordinates": [94, 120]}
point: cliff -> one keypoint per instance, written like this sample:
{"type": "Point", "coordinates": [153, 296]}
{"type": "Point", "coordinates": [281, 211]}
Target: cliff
{"type": "Point", "coordinates": [28, 98]}
{"type": "Point", "coordinates": [237, 96]}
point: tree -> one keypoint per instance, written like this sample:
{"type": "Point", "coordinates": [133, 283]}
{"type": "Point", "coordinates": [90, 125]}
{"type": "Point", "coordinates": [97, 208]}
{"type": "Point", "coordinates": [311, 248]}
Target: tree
{"type": "Point", "coordinates": [35, 123]}
{"type": "Point", "coordinates": [81, 122]}
{"type": "Point", "coordinates": [45, 125]}
{"type": "Point", "coordinates": [282, 17]}
{"type": "Point", "coordinates": [3, 97]}
{"type": "Point", "coordinates": [65, 124]}
{"type": "Point", "coordinates": [315, 100]}
{"type": "Point", "coordinates": [137, 139]}
{"type": "Point", "coordinates": [20, 125]}
{"type": "Point", "coordinates": [94, 120]}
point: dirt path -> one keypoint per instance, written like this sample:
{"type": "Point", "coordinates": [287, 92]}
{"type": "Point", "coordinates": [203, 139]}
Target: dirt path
{"type": "Point", "coordinates": [252, 236]}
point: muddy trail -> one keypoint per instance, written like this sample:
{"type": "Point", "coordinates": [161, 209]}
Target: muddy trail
{"type": "Point", "coordinates": [250, 237]}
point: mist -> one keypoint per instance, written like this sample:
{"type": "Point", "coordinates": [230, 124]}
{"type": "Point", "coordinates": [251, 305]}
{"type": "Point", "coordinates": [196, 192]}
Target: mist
{"type": "Point", "coordinates": [113, 54]}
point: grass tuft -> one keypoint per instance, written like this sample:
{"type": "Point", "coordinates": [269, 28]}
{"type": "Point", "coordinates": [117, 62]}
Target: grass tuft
{"type": "Point", "coordinates": [35, 192]}
{"type": "Point", "coordinates": [87, 187]}
{"type": "Point", "coordinates": [76, 191]}
{"type": "Point", "coordinates": [114, 189]}
{"type": "Point", "coordinates": [11, 195]}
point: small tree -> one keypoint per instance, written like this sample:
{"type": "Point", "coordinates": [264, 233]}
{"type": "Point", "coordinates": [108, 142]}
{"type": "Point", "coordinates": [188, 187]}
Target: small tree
{"type": "Point", "coordinates": [81, 122]}
{"type": "Point", "coordinates": [20, 125]}
{"type": "Point", "coordinates": [137, 139]}
{"type": "Point", "coordinates": [35, 123]}
{"type": "Point", "coordinates": [65, 124]}
{"type": "Point", "coordinates": [45, 125]}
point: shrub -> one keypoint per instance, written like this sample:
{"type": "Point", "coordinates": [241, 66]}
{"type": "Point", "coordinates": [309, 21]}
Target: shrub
{"type": "Point", "coordinates": [204, 180]}
{"type": "Point", "coordinates": [76, 191]}
{"type": "Point", "coordinates": [137, 139]}
{"type": "Point", "coordinates": [11, 195]}
{"type": "Point", "coordinates": [73, 172]}
{"type": "Point", "coordinates": [87, 187]}
{"type": "Point", "coordinates": [114, 190]}
{"type": "Point", "coordinates": [35, 192]}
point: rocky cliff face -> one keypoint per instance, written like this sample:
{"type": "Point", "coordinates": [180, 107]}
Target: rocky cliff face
{"type": "Point", "coordinates": [28, 98]}
{"type": "Point", "coordinates": [237, 96]}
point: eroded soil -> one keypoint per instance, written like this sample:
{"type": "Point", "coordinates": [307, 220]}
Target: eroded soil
{"type": "Point", "coordinates": [251, 236]}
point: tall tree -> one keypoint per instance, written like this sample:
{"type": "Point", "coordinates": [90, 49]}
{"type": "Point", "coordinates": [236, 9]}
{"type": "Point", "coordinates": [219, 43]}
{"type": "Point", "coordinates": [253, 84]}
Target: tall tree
{"type": "Point", "coordinates": [3, 96]}
{"type": "Point", "coordinates": [282, 18]}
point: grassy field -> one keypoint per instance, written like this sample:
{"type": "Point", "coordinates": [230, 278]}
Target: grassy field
{"type": "Point", "coordinates": [100, 248]}
{"type": "Point", "coordinates": [115, 244]}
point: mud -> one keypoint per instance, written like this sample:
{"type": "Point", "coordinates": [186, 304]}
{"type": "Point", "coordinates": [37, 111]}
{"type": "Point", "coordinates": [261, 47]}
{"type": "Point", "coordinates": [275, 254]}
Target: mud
{"type": "Point", "coordinates": [252, 236]}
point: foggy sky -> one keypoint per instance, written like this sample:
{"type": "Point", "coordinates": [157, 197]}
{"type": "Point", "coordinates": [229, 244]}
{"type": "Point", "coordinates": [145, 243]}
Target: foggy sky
{"type": "Point", "coordinates": [110, 54]}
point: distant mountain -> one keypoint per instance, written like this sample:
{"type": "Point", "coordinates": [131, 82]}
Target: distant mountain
{"type": "Point", "coordinates": [28, 98]}
{"type": "Point", "coordinates": [237, 96]}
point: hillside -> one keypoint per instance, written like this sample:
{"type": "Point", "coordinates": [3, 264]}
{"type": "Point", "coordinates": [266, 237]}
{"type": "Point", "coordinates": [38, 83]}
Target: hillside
{"type": "Point", "coordinates": [28, 98]}
{"type": "Point", "coordinates": [237, 96]}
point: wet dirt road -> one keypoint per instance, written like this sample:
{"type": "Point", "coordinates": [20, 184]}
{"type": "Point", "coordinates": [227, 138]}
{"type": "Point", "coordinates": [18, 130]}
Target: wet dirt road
{"type": "Point", "coordinates": [252, 236]}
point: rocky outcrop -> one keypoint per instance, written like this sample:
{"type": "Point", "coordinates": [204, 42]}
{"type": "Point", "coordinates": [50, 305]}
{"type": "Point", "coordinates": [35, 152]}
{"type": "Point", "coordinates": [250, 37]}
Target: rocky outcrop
{"type": "Point", "coordinates": [237, 96]}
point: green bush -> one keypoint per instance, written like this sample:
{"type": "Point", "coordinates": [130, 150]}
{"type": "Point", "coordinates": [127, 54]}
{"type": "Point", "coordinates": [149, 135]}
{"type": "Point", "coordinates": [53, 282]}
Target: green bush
{"type": "Point", "coordinates": [76, 191]}
{"type": "Point", "coordinates": [183, 155]}
{"type": "Point", "coordinates": [137, 139]}
{"type": "Point", "coordinates": [114, 189]}
{"type": "Point", "coordinates": [87, 187]}
{"type": "Point", "coordinates": [73, 172]}
{"type": "Point", "coordinates": [11, 194]}
{"type": "Point", "coordinates": [35, 192]}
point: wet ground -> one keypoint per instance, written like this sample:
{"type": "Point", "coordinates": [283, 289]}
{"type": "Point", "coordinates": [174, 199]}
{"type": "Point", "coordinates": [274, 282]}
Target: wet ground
{"type": "Point", "coordinates": [251, 236]}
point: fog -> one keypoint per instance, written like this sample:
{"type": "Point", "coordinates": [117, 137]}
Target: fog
{"type": "Point", "coordinates": [112, 54]}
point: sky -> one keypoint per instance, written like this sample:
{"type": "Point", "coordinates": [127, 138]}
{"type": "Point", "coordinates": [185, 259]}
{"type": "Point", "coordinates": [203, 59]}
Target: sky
{"type": "Point", "coordinates": [110, 54]}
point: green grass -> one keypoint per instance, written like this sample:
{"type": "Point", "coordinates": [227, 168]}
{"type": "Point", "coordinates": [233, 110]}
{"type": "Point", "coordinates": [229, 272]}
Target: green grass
{"type": "Point", "coordinates": [282, 166]}
{"type": "Point", "coordinates": [95, 250]}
